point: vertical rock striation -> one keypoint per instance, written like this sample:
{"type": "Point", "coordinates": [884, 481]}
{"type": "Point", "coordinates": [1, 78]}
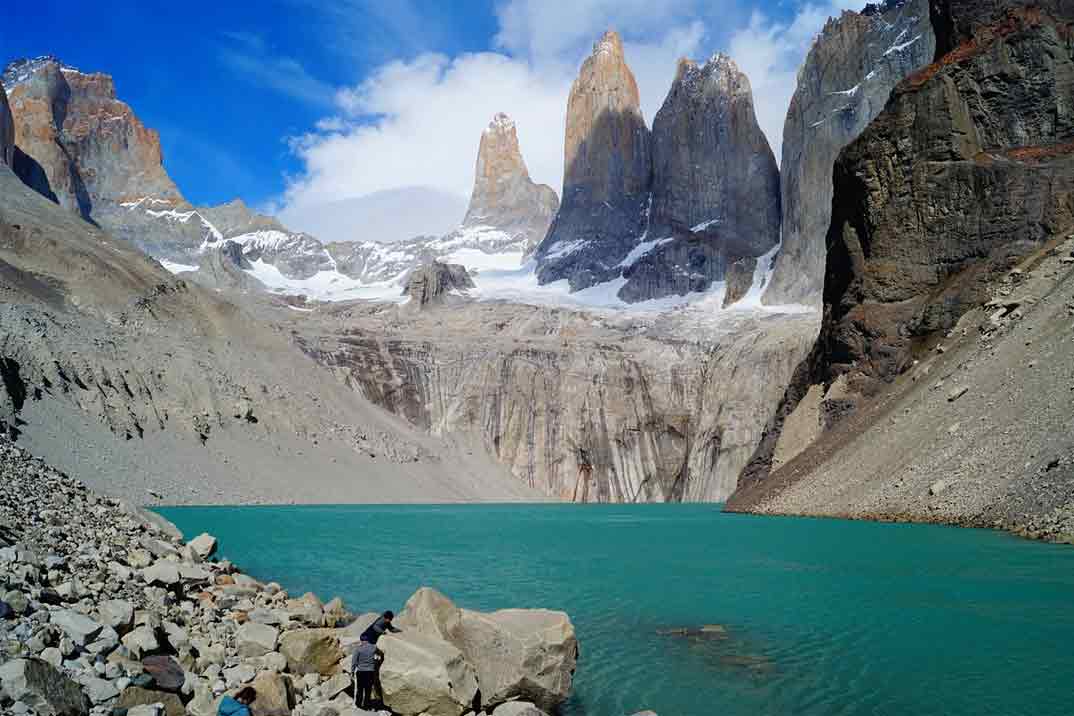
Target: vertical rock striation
{"type": "Point", "coordinates": [715, 189]}
{"type": "Point", "coordinates": [607, 174]}
{"type": "Point", "coordinates": [663, 213]}
{"type": "Point", "coordinates": [843, 84]}
{"type": "Point", "coordinates": [504, 196]}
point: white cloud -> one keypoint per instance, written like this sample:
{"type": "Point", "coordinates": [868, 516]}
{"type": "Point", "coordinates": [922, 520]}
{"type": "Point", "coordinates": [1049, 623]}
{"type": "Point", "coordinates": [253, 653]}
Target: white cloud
{"type": "Point", "coordinates": [418, 122]}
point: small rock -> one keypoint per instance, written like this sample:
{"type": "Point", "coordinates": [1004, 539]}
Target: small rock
{"type": "Point", "coordinates": [239, 675]}
{"type": "Point", "coordinates": [166, 672]}
{"type": "Point", "coordinates": [938, 487]}
{"type": "Point", "coordinates": [117, 613]}
{"type": "Point", "coordinates": [254, 639]}
{"type": "Point", "coordinates": [163, 573]}
{"type": "Point", "coordinates": [18, 601]}
{"type": "Point", "coordinates": [78, 627]}
{"type": "Point", "coordinates": [141, 641]}
{"type": "Point", "coordinates": [204, 545]}
{"type": "Point", "coordinates": [956, 393]}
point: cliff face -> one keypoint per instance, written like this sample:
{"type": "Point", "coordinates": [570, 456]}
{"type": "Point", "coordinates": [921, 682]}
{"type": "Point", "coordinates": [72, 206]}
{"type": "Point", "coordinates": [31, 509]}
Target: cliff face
{"type": "Point", "coordinates": [947, 295]}
{"type": "Point", "coordinates": [86, 150]}
{"type": "Point", "coordinates": [664, 213]}
{"type": "Point", "coordinates": [607, 173]}
{"type": "Point", "coordinates": [90, 147]}
{"type": "Point", "coordinates": [504, 196]}
{"type": "Point", "coordinates": [581, 409]}
{"type": "Point", "coordinates": [715, 188]}
{"type": "Point", "coordinates": [842, 86]}
{"type": "Point", "coordinates": [7, 131]}
{"type": "Point", "coordinates": [970, 165]}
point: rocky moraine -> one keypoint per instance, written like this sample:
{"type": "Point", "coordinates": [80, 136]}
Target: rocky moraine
{"type": "Point", "coordinates": [105, 609]}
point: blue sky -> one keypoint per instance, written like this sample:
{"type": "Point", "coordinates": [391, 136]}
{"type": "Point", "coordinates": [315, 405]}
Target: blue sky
{"type": "Point", "coordinates": [295, 103]}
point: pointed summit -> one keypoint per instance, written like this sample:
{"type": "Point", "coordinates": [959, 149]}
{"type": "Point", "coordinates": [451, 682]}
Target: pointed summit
{"type": "Point", "coordinates": [606, 177]}
{"type": "Point", "coordinates": [607, 142]}
{"type": "Point", "coordinates": [504, 196]}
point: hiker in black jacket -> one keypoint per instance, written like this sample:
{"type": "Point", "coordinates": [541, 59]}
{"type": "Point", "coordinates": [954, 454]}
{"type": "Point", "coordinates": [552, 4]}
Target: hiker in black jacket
{"type": "Point", "coordinates": [382, 624]}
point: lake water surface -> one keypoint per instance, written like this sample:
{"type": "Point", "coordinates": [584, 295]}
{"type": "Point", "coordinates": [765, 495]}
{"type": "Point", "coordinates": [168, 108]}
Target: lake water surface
{"type": "Point", "coordinates": [823, 617]}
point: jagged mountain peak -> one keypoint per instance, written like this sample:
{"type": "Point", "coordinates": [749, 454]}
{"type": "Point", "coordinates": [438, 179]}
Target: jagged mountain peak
{"type": "Point", "coordinates": [610, 43]}
{"type": "Point", "coordinates": [501, 122]}
{"type": "Point", "coordinates": [504, 197]}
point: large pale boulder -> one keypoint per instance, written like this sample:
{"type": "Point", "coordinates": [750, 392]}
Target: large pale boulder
{"type": "Point", "coordinates": [311, 651]}
{"type": "Point", "coordinates": [275, 694]}
{"type": "Point", "coordinates": [519, 708]}
{"type": "Point", "coordinates": [43, 688]}
{"type": "Point", "coordinates": [80, 628]}
{"type": "Point", "coordinates": [425, 675]}
{"type": "Point", "coordinates": [527, 654]}
{"type": "Point", "coordinates": [254, 639]}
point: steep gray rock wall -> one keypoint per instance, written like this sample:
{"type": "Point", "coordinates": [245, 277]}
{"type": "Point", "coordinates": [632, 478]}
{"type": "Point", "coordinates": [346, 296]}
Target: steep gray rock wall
{"type": "Point", "coordinates": [842, 86]}
{"type": "Point", "coordinates": [504, 197]}
{"type": "Point", "coordinates": [970, 166]}
{"type": "Point", "coordinates": [946, 273]}
{"type": "Point", "coordinates": [436, 284]}
{"type": "Point", "coordinates": [81, 147]}
{"type": "Point", "coordinates": [7, 131]}
{"type": "Point", "coordinates": [581, 409]}
{"type": "Point", "coordinates": [715, 189]}
{"type": "Point", "coordinates": [607, 174]}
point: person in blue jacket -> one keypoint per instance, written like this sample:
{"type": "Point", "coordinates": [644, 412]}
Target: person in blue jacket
{"type": "Point", "coordinates": [239, 705]}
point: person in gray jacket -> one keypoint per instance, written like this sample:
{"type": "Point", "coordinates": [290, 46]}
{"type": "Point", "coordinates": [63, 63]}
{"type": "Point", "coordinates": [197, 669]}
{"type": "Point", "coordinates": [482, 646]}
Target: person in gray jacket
{"type": "Point", "coordinates": [364, 665]}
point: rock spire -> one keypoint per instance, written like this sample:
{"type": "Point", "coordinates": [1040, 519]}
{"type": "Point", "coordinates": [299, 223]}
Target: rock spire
{"type": "Point", "coordinates": [504, 196]}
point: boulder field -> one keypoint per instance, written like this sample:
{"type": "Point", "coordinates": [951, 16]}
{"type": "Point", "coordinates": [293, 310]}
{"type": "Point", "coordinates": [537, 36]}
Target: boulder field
{"type": "Point", "coordinates": [105, 609]}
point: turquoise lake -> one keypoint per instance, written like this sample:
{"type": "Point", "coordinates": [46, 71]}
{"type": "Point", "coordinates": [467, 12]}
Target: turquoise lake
{"type": "Point", "coordinates": [823, 617]}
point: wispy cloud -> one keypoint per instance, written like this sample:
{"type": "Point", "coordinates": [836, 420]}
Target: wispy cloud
{"type": "Point", "coordinates": [417, 118]}
{"type": "Point", "coordinates": [250, 56]}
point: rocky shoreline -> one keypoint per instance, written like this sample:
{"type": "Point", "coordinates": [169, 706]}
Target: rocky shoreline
{"type": "Point", "coordinates": [104, 609]}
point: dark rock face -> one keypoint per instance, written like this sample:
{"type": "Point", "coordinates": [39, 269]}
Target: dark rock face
{"type": "Point", "coordinates": [844, 83]}
{"type": "Point", "coordinates": [715, 190]}
{"type": "Point", "coordinates": [504, 196]}
{"type": "Point", "coordinates": [436, 284]}
{"type": "Point", "coordinates": [607, 174]}
{"type": "Point", "coordinates": [667, 211]}
{"type": "Point", "coordinates": [7, 131]}
{"type": "Point", "coordinates": [970, 164]}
